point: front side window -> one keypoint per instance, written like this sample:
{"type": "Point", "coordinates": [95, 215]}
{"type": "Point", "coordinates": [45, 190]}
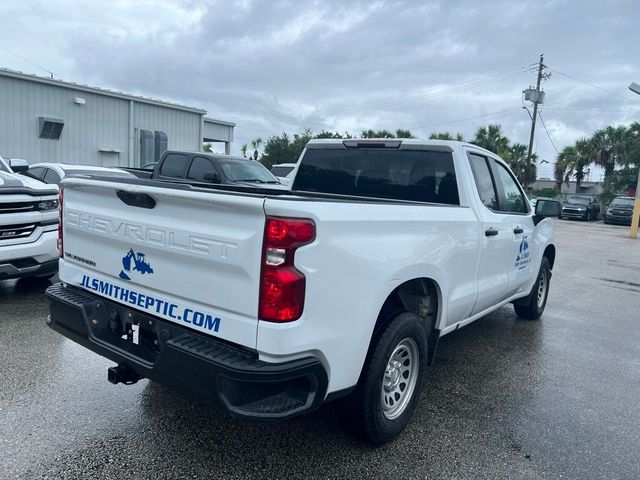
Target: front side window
{"type": "Point", "coordinates": [484, 181]}
{"type": "Point", "coordinates": [200, 166]}
{"type": "Point", "coordinates": [514, 201]}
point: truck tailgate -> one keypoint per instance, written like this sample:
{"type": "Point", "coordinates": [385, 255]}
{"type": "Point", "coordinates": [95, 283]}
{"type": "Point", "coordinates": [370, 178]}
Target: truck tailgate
{"type": "Point", "coordinates": [192, 258]}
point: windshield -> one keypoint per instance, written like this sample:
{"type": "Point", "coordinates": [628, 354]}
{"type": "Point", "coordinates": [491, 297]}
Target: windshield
{"type": "Point", "coordinates": [622, 202]}
{"type": "Point", "coordinates": [4, 167]}
{"type": "Point", "coordinates": [246, 171]}
{"type": "Point", "coordinates": [281, 171]}
{"type": "Point", "coordinates": [578, 200]}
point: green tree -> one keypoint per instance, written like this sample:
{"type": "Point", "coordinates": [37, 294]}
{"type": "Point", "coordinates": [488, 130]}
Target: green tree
{"type": "Point", "coordinates": [243, 150]}
{"type": "Point", "coordinates": [563, 168]}
{"type": "Point", "coordinates": [610, 145]}
{"type": "Point", "coordinates": [377, 134]}
{"type": "Point", "coordinates": [492, 139]}
{"type": "Point", "coordinates": [255, 144]}
{"type": "Point", "coordinates": [400, 133]}
{"type": "Point", "coordinates": [446, 136]}
{"type": "Point", "coordinates": [516, 157]}
{"type": "Point", "coordinates": [206, 147]}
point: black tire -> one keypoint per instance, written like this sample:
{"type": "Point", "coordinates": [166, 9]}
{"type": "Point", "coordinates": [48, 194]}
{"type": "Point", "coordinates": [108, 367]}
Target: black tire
{"type": "Point", "coordinates": [366, 402]}
{"type": "Point", "coordinates": [533, 305]}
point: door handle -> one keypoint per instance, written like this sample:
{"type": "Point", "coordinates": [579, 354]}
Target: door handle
{"type": "Point", "coordinates": [518, 230]}
{"type": "Point", "coordinates": [491, 232]}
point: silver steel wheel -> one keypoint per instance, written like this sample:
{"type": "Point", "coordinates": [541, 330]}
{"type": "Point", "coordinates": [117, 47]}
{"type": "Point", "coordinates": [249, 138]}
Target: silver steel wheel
{"type": "Point", "coordinates": [543, 285]}
{"type": "Point", "coordinates": [400, 378]}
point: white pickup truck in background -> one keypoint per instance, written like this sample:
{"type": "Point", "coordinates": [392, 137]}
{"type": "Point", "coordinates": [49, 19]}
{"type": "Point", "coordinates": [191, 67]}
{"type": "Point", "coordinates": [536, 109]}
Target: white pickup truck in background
{"type": "Point", "coordinates": [28, 225]}
{"type": "Point", "coordinates": [272, 301]}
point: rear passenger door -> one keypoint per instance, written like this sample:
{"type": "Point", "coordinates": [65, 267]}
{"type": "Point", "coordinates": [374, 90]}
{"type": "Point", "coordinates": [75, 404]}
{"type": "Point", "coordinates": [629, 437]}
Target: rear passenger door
{"type": "Point", "coordinates": [497, 236]}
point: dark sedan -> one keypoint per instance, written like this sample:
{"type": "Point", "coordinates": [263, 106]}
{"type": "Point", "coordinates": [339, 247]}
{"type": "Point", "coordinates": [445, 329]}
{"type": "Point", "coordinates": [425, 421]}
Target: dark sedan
{"type": "Point", "coordinates": [620, 211]}
{"type": "Point", "coordinates": [581, 207]}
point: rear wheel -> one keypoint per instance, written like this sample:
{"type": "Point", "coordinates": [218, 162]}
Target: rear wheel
{"type": "Point", "coordinates": [534, 304]}
{"type": "Point", "coordinates": [392, 380]}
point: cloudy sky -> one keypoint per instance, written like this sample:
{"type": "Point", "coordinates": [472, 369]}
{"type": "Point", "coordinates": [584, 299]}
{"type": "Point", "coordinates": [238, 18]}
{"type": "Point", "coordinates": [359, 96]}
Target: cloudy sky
{"type": "Point", "coordinates": [274, 66]}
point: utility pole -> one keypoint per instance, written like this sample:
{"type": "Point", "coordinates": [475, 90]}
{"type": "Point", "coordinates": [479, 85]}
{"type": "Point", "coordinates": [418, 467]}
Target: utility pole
{"type": "Point", "coordinates": [536, 98]}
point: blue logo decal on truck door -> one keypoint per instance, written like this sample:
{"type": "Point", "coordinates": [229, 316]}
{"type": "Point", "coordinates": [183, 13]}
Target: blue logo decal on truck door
{"type": "Point", "coordinates": [523, 254]}
{"type": "Point", "coordinates": [134, 261]}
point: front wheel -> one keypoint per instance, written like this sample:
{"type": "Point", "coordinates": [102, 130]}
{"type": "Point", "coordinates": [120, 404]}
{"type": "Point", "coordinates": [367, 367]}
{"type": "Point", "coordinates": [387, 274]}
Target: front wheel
{"type": "Point", "coordinates": [533, 305]}
{"type": "Point", "coordinates": [392, 379]}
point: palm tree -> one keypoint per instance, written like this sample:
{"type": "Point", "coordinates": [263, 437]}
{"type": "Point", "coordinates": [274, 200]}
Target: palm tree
{"type": "Point", "coordinates": [516, 157]}
{"type": "Point", "coordinates": [243, 150]}
{"type": "Point", "coordinates": [564, 166]}
{"type": "Point", "coordinates": [610, 145]}
{"type": "Point", "coordinates": [255, 144]}
{"type": "Point", "coordinates": [446, 136]}
{"type": "Point", "coordinates": [584, 156]}
{"type": "Point", "coordinates": [206, 147]}
{"type": "Point", "coordinates": [492, 139]}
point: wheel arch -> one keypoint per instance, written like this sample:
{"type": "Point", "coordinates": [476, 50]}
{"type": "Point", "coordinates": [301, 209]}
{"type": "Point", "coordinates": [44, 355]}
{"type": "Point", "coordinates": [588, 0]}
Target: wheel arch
{"type": "Point", "coordinates": [421, 296]}
{"type": "Point", "coordinates": [550, 253]}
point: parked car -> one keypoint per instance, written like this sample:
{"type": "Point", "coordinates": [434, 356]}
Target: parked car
{"type": "Point", "coordinates": [188, 167]}
{"type": "Point", "coordinates": [272, 302]}
{"type": "Point", "coordinates": [28, 225]}
{"type": "Point", "coordinates": [620, 211]}
{"type": "Point", "coordinates": [581, 207]}
{"type": "Point", "coordinates": [54, 173]}
{"type": "Point", "coordinates": [284, 172]}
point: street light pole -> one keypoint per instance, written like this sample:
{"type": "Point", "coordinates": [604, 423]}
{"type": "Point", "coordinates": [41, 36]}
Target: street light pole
{"type": "Point", "coordinates": [635, 218]}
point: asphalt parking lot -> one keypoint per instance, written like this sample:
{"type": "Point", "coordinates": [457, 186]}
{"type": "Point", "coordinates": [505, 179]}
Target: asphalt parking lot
{"type": "Point", "coordinates": [507, 398]}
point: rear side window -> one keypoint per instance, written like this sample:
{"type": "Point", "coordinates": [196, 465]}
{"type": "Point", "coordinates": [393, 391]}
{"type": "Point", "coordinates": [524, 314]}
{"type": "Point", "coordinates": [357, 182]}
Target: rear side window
{"type": "Point", "coordinates": [415, 175]}
{"type": "Point", "coordinates": [484, 181]}
{"type": "Point", "coordinates": [174, 165]}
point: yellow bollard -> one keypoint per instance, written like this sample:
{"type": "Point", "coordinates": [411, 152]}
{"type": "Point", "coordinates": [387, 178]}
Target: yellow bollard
{"type": "Point", "coordinates": [635, 217]}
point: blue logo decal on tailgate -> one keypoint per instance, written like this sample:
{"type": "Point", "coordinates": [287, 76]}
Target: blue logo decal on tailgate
{"type": "Point", "coordinates": [139, 264]}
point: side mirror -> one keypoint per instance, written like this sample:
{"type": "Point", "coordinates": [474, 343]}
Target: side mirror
{"type": "Point", "coordinates": [547, 208]}
{"type": "Point", "coordinates": [18, 165]}
{"type": "Point", "coordinates": [211, 177]}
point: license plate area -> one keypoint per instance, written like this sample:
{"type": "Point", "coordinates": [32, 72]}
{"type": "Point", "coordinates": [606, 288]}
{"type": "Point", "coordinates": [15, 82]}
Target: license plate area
{"type": "Point", "coordinates": [134, 332]}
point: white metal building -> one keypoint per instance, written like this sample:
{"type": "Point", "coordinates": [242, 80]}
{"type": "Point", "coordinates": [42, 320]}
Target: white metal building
{"type": "Point", "coordinates": [46, 120]}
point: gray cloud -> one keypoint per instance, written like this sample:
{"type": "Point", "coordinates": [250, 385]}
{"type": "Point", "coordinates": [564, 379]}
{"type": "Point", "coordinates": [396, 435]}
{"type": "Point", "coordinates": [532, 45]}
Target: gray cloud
{"type": "Point", "coordinates": [286, 65]}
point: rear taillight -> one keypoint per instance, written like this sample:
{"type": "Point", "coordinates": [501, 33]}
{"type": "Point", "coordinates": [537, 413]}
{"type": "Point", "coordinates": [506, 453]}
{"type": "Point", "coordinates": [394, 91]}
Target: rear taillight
{"type": "Point", "coordinates": [282, 285]}
{"type": "Point", "coordinates": [60, 244]}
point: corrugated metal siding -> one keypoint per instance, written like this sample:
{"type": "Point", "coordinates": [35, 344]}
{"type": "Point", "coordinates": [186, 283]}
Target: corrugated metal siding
{"type": "Point", "coordinates": [217, 133]}
{"type": "Point", "coordinates": [182, 128]}
{"type": "Point", "coordinates": [101, 123]}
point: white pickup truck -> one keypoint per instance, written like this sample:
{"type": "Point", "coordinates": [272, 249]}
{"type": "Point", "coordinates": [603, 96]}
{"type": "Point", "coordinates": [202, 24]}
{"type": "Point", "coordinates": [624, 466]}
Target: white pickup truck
{"type": "Point", "coordinates": [272, 302]}
{"type": "Point", "coordinates": [28, 225]}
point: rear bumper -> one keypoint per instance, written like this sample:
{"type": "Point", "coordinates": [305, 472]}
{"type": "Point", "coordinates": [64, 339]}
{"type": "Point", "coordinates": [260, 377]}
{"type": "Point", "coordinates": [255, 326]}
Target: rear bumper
{"type": "Point", "coordinates": [202, 367]}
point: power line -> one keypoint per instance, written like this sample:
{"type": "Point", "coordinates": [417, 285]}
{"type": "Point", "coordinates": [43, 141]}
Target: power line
{"type": "Point", "coordinates": [547, 132]}
{"type": "Point", "coordinates": [393, 101]}
{"type": "Point", "coordinates": [465, 119]}
{"type": "Point", "coordinates": [577, 109]}
{"type": "Point", "coordinates": [27, 60]}
{"type": "Point", "coordinates": [592, 85]}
